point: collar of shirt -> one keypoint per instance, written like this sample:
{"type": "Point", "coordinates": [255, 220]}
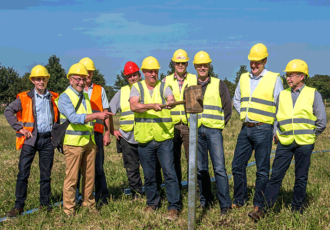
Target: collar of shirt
{"type": "Point", "coordinates": [176, 76]}
{"type": "Point", "coordinates": [46, 94]}
{"type": "Point", "coordinates": [261, 75]}
{"type": "Point", "coordinates": [203, 82]}
{"type": "Point", "coordinates": [75, 91]}
{"type": "Point", "coordinates": [298, 90]}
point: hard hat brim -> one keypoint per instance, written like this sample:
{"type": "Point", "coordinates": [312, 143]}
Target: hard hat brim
{"type": "Point", "coordinates": [180, 60]}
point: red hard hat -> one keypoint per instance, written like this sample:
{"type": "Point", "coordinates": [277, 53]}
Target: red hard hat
{"type": "Point", "coordinates": [130, 67]}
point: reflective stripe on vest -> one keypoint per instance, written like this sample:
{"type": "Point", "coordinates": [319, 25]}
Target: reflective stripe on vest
{"type": "Point", "coordinates": [25, 116]}
{"type": "Point", "coordinates": [213, 115]}
{"type": "Point", "coordinates": [76, 134]}
{"type": "Point", "coordinates": [178, 112]}
{"type": "Point", "coordinates": [97, 106]}
{"type": "Point", "coordinates": [259, 106]}
{"type": "Point", "coordinates": [126, 120]}
{"type": "Point", "coordinates": [298, 123]}
{"type": "Point", "coordinates": [152, 125]}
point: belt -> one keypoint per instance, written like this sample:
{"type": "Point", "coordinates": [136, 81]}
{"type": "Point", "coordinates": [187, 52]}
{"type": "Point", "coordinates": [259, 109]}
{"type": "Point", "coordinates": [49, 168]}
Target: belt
{"type": "Point", "coordinates": [249, 124]}
{"type": "Point", "coordinates": [45, 135]}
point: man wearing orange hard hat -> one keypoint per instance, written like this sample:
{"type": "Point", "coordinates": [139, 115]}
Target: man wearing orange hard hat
{"type": "Point", "coordinates": [255, 101]}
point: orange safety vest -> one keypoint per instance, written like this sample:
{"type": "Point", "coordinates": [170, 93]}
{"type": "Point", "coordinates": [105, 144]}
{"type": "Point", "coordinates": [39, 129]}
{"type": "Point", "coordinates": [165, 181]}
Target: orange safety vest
{"type": "Point", "coordinates": [96, 102]}
{"type": "Point", "coordinates": [25, 116]}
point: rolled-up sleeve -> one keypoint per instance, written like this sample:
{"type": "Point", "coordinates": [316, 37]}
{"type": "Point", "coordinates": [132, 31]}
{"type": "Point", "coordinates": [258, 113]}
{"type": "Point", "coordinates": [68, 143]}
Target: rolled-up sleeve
{"type": "Point", "coordinates": [237, 98]}
{"type": "Point", "coordinates": [10, 116]}
{"type": "Point", "coordinates": [319, 112]}
{"type": "Point", "coordinates": [66, 107]}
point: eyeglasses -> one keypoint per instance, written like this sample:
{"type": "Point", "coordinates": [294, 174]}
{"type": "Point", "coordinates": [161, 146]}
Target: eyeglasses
{"type": "Point", "coordinates": [180, 63]}
{"type": "Point", "coordinates": [202, 65]}
{"type": "Point", "coordinates": [290, 75]}
{"type": "Point", "coordinates": [79, 79]}
{"type": "Point", "coordinates": [256, 62]}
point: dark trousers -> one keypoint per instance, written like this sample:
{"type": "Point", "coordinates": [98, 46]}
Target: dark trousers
{"type": "Point", "coordinates": [101, 189]}
{"type": "Point", "coordinates": [132, 165]}
{"type": "Point", "coordinates": [284, 154]}
{"type": "Point", "coordinates": [46, 157]}
{"type": "Point", "coordinates": [210, 140]}
{"type": "Point", "coordinates": [258, 138]}
{"type": "Point", "coordinates": [149, 154]}
{"type": "Point", "coordinates": [181, 136]}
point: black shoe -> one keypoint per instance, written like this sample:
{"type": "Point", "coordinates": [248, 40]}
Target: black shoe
{"type": "Point", "coordinates": [224, 211]}
{"type": "Point", "coordinates": [45, 208]}
{"type": "Point", "coordinates": [14, 212]}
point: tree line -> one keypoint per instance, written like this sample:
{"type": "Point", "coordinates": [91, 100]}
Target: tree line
{"type": "Point", "coordinates": [11, 83]}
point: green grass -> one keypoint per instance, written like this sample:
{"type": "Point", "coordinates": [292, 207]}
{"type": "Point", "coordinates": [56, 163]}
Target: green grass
{"type": "Point", "coordinates": [122, 213]}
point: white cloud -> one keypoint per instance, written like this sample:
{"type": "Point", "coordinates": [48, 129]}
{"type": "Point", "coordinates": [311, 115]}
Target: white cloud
{"type": "Point", "coordinates": [60, 35]}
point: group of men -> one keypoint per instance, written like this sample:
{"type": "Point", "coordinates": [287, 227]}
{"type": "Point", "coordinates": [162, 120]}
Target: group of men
{"type": "Point", "coordinates": [152, 132]}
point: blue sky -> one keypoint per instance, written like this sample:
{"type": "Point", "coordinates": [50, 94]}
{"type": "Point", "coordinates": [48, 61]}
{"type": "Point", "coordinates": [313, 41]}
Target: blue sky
{"type": "Point", "coordinates": [114, 32]}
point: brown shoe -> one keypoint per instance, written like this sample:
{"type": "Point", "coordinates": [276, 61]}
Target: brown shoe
{"type": "Point", "coordinates": [14, 212]}
{"type": "Point", "coordinates": [150, 209]}
{"type": "Point", "coordinates": [235, 206]}
{"type": "Point", "coordinates": [256, 215]}
{"type": "Point", "coordinates": [173, 214]}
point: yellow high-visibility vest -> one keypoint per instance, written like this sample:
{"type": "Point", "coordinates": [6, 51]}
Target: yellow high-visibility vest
{"type": "Point", "coordinates": [152, 125]}
{"type": "Point", "coordinates": [78, 135]}
{"type": "Point", "coordinates": [260, 106]}
{"type": "Point", "coordinates": [178, 113]}
{"type": "Point", "coordinates": [296, 123]}
{"type": "Point", "coordinates": [213, 115]}
{"type": "Point", "coordinates": [126, 120]}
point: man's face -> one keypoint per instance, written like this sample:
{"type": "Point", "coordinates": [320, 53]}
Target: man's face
{"type": "Point", "coordinates": [133, 77]}
{"type": "Point", "coordinates": [151, 75]}
{"type": "Point", "coordinates": [294, 79]}
{"type": "Point", "coordinates": [202, 70]}
{"type": "Point", "coordinates": [257, 66]}
{"type": "Point", "coordinates": [40, 82]}
{"type": "Point", "coordinates": [180, 67]}
{"type": "Point", "coordinates": [78, 82]}
{"type": "Point", "coordinates": [89, 77]}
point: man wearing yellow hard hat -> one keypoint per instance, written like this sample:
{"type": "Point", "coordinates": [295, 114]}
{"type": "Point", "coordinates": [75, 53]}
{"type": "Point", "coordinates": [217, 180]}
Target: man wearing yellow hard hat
{"type": "Point", "coordinates": [99, 103]}
{"type": "Point", "coordinates": [217, 112]}
{"type": "Point", "coordinates": [154, 131]}
{"type": "Point", "coordinates": [255, 101]}
{"type": "Point", "coordinates": [36, 114]}
{"type": "Point", "coordinates": [300, 117]}
{"type": "Point", "coordinates": [79, 143]}
{"type": "Point", "coordinates": [178, 81]}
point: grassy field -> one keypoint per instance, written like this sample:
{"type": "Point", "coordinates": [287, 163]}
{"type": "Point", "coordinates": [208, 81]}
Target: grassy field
{"type": "Point", "coordinates": [123, 213]}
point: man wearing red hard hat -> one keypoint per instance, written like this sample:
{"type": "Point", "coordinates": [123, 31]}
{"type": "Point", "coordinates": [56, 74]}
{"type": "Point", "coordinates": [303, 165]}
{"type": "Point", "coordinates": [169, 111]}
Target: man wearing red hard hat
{"type": "Point", "coordinates": [125, 134]}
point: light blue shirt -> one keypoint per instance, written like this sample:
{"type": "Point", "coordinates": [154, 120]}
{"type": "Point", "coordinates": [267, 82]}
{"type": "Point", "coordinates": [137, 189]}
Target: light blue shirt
{"type": "Point", "coordinates": [254, 81]}
{"type": "Point", "coordinates": [66, 107]}
{"type": "Point", "coordinates": [105, 102]}
{"type": "Point", "coordinates": [44, 114]}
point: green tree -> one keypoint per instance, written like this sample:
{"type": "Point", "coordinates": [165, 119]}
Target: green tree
{"type": "Point", "coordinates": [242, 69]}
{"type": "Point", "coordinates": [58, 80]}
{"type": "Point", "coordinates": [321, 83]}
{"type": "Point", "coordinates": [169, 72]}
{"type": "Point", "coordinates": [25, 83]}
{"type": "Point", "coordinates": [110, 91]}
{"type": "Point", "coordinates": [231, 87]}
{"type": "Point", "coordinates": [98, 78]}
{"type": "Point", "coordinates": [211, 72]}
{"type": "Point", "coordinates": [10, 84]}
{"type": "Point", "coordinates": [120, 81]}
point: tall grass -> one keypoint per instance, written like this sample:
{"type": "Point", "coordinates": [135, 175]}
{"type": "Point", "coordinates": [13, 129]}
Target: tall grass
{"type": "Point", "coordinates": [123, 213]}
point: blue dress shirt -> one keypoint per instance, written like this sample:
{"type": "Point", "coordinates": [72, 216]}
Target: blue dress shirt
{"type": "Point", "coordinates": [44, 114]}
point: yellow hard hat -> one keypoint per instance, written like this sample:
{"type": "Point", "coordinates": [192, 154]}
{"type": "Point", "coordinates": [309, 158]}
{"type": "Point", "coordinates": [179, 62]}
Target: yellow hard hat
{"type": "Point", "coordinates": [180, 56]}
{"type": "Point", "coordinates": [39, 71]}
{"type": "Point", "coordinates": [88, 63]}
{"type": "Point", "coordinates": [150, 63]}
{"type": "Point", "coordinates": [78, 69]}
{"type": "Point", "coordinates": [202, 57]}
{"type": "Point", "coordinates": [297, 65]}
{"type": "Point", "coordinates": [258, 52]}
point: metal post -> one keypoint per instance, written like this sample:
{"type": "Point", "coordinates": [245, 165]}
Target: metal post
{"type": "Point", "coordinates": [192, 183]}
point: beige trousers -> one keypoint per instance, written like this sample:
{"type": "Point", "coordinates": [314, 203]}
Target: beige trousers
{"type": "Point", "coordinates": [77, 157]}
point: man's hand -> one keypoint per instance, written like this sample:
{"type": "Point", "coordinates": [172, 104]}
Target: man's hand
{"type": "Point", "coordinates": [106, 139]}
{"type": "Point", "coordinates": [26, 133]}
{"type": "Point", "coordinates": [157, 107]}
{"type": "Point", "coordinates": [103, 115]}
{"type": "Point", "coordinates": [169, 107]}
{"type": "Point", "coordinates": [275, 139]}
{"type": "Point", "coordinates": [117, 134]}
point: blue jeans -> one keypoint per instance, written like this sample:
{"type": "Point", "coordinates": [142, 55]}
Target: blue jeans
{"type": "Point", "coordinates": [210, 139]}
{"type": "Point", "coordinates": [258, 138]}
{"type": "Point", "coordinates": [149, 154]}
{"type": "Point", "coordinates": [46, 157]}
{"type": "Point", "coordinates": [284, 154]}
{"type": "Point", "coordinates": [101, 189]}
